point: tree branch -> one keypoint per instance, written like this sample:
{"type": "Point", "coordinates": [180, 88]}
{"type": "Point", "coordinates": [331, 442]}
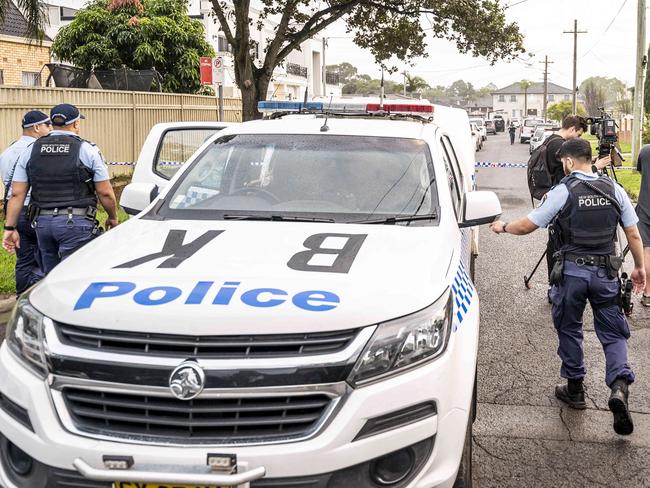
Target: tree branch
{"type": "Point", "coordinates": [221, 15]}
{"type": "Point", "coordinates": [270, 60]}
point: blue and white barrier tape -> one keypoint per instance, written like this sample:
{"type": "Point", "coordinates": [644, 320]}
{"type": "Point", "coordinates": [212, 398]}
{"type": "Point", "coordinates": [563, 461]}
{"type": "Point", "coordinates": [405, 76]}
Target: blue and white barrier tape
{"type": "Point", "coordinates": [484, 164]}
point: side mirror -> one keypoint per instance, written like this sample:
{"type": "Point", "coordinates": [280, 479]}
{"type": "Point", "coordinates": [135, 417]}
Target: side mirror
{"type": "Point", "coordinates": [480, 207]}
{"type": "Point", "coordinates": [137, 196]}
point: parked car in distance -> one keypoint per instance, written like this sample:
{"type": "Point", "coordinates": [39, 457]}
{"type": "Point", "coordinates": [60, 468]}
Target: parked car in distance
{"type": "Point", "coordinates": [476, 136]}
{"type": "Point", "coordinates": [499, 123]}
{"type": "Point", "coordinates": [481, 126]}
{"type": "Point", "coordinates": [542, 132]}
{"type": "Point", "coordinates": [528, 129]}
{"type": "Point", "coordinates": [490, 127]}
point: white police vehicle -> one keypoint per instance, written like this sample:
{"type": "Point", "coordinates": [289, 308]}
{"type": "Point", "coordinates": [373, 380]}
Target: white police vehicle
{"type": "Point", "coordinates": [295, 308]}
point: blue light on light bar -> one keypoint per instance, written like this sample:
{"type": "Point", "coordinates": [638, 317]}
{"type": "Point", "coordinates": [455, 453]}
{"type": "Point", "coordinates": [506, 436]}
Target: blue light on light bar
{"type": "Point", "coordinates": [286, 106]}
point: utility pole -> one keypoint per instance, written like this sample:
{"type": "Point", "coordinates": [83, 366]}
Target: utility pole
{"type": "Point", "coordinates": [575, 33]}
{"type": "Point", "coordinates": [546, 62]}
{"type": "Point", "coordinates": [405, 74]}
{"type": "Point", "coordinates": [641, 61]}
{"type": "Point", "coordinates": [324, 81]}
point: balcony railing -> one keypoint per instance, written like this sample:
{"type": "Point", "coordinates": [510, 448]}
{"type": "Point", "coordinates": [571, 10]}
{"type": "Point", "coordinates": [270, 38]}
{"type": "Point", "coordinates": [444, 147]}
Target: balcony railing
{"type": "Point", "coordinates": [296, 69]}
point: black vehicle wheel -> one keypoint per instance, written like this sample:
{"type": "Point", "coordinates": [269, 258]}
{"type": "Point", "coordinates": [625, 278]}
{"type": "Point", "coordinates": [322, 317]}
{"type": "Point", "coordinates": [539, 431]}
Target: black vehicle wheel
{"type": "Point", "coordinates": [464, 476]}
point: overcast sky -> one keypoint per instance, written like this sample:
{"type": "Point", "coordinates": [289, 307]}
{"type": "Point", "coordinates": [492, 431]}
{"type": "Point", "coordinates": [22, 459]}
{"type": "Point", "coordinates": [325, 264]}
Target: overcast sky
{"type": "Point", "coordinates": [602, 51]}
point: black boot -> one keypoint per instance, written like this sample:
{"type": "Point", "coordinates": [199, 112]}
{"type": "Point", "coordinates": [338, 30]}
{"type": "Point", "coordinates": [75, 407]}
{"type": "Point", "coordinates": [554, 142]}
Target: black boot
{"type": "Point", "coordinates": [573, 394]}
{"type": "Point", "coordinates": [618, 405]}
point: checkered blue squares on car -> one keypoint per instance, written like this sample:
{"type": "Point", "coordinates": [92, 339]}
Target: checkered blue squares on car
{"type": "Point", "coordinates": [463, 293]}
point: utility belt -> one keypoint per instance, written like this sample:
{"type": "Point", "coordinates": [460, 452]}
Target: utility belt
{"type": "Point", "coordinates": [612, 264]}
{"type": "Point", "coordinates": [89, 213]}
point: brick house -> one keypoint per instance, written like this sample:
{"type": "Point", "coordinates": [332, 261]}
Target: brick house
{"type": "Point", "coordinates": [21, 59]}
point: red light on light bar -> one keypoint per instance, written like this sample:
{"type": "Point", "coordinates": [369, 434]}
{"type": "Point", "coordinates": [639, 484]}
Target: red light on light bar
{"type": "Point", "coordinates": [400, 107]}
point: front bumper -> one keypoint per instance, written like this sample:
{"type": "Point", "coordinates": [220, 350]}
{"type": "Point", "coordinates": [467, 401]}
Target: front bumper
{"type": "Point", "coordinates": [447, 381]}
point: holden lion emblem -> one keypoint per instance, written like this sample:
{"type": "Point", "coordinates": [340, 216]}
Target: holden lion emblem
{"type": "Point", "coordinates": [187, 381]}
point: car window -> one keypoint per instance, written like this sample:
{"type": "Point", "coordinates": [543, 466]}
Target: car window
{"type": "Point", "coordinates": [479, 123]}
{"type": "Point", "coordinates": [341, 178]}
{"type": "Point", "coordinates": [453, 174]}
{"type": "Point", "coordinates": [176, 147]}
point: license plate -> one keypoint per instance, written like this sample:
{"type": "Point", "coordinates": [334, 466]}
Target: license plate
{"type": "Point", "coordinates": [134, 484]}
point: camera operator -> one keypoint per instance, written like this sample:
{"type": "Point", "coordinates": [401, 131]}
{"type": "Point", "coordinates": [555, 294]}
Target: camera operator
{"type": "Point", "coordinates": [585, 209]}
{"type": "Point", "coordinates": [643, 211]}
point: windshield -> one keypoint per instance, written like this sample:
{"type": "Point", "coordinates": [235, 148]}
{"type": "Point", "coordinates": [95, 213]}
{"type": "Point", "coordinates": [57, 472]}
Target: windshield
{"type": "Point", "coordinates": [341, 178]}
{"type": "Point", "coordinates": [539, 133]}
{"type": "Point", "coordinates": [531, 123]}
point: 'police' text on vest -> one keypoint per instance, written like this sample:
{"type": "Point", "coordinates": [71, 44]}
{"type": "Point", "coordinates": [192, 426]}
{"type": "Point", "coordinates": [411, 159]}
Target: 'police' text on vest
{"type": "Point", "coordinates": [55, 149]}
{"type": "Point", "coordinates": [593, 201]}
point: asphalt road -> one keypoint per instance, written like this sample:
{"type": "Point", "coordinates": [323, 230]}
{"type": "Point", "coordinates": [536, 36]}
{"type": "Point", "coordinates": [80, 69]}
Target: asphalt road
{"type": "Point", "coordinates": [523, 436]}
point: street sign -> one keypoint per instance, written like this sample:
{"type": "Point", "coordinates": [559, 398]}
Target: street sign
{"type": "Point", "coordinates": [218, 71]}
{"type": "Point", "coordinates": [206, 70]}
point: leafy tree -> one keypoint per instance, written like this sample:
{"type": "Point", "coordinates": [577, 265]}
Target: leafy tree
{"type": "Point", "coordinates": [600, 91]}
{"type": "Point", "coordinates": [461, 89]}
{"type": "Point", "coordinates": [387, 28]}
{"type": "Point", "coordinates": [346, 71]}
{"type": "Point", "coordinates": [557, 111]}
{"type": "Point", "coordinates": [525, 85]}
{"type": "Point", "coordinates": [152, 34]}
{"type": "Point", "coordinates": [415, 84]}
{"type": "Point", "coordinates": [35, 14]}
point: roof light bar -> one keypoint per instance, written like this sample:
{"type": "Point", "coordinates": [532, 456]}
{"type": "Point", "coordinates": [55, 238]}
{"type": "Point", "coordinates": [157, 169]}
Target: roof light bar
{"type": "Point", "coordinates": [344, 106]}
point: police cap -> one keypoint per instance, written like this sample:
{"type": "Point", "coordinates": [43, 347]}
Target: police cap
{"type": "Point", "coordinates": [65, 114]}
{"type": "Point", "coordinates": [575, 148]}
{"type": "Point", "coordinates": [34, 117]}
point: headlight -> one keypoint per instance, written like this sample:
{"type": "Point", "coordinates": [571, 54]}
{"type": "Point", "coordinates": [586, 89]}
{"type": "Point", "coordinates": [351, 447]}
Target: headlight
{"type": "Point", "coordinates": [406, 342]}
{"type": "Point", "coordinates": [26, 337]}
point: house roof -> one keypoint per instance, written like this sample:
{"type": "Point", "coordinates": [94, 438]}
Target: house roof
{"type": "Point", "coordinates": [15, 24]}
{"type": "Point", "coordinates": [537, 88]}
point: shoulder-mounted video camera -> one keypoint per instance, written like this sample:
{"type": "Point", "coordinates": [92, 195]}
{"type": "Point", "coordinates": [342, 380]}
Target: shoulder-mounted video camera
{"type": "Point", "coordinates": [604, 127]}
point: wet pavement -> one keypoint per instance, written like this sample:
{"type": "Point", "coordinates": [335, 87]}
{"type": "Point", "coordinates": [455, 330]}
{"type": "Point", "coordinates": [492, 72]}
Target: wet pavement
{"type": "Point", "coordinates": [523, 436]}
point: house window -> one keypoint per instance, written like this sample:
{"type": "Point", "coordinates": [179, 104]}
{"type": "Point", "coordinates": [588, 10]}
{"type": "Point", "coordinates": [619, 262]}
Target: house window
{"type": "Point", "coordinates": [566, 97]}
{"type": "Point", "coordinates": [2, 77]}
{"type": "Point", "coordinates": [551, 98]}
{"type": "Point", "coordinates": [31, 78]}
{"type": "Point", "coordinates": [223, 46]}
{"type": "Point", "coordinates": [513, 98]}
{"type": "Point", "coordinates": [502, 98]}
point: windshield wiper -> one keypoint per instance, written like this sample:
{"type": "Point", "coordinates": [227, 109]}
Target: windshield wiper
{"type": "Point", "coordinates": [396, 220]}
{"type": "Point", "coordinates": [278, 218]}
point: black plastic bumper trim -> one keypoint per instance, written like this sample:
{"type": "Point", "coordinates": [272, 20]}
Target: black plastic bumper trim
{"type": "Point", "coordinates": [394, 420]}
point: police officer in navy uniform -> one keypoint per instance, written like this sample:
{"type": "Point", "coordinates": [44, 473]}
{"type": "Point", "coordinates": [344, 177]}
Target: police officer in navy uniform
{"type": "Point", "coordinates": [28, 271]}
{"type": "Point", "coordinates": [66, 175]}
{"type": "Point", "coordinates": [585, 210]}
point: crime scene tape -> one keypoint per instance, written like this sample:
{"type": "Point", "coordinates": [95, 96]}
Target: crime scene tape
{"type": "Point", "coordinates": [485, 164]}
{"type": "Point", "coordinates": [130, 163]}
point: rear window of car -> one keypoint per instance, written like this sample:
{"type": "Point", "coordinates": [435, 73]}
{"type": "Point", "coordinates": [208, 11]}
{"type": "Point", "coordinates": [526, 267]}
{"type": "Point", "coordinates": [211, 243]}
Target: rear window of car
{"type": "Point", "coordinates": [478, 122]}
{"type": "Point", "coordinates": [531, 123]}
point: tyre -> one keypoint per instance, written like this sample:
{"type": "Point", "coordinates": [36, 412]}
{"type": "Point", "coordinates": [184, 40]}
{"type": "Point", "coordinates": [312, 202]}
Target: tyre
{"type": "Point", "coordinates": [464, 476]}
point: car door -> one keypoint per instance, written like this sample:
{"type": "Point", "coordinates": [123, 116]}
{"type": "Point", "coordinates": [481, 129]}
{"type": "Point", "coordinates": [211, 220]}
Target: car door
{"type": "Point", "coordinates": [167, 147]}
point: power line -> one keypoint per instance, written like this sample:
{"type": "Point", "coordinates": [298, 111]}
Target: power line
{"type": "Point", "coordinates": [515, 4]}
{"type": "Point", "coordinates": [606, 29]}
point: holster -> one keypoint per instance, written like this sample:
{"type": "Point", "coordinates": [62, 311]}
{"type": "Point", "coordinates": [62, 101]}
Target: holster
{"type": "Point", "coordinates": [614, 265]}
{"type": "Point", "coordinates": [556, 277]}
{"type": "Point", "coordinates": [32, 213]}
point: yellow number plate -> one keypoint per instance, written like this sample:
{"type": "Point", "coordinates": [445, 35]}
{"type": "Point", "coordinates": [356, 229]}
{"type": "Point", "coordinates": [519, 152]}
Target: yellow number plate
{"type": "Point", "coordinates": [133, 484]}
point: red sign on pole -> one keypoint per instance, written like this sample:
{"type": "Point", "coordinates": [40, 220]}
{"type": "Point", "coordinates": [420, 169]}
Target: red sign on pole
{"type": "Point", "coordinates": [206, 71]}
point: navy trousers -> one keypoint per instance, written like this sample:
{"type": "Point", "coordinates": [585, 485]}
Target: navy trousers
{"type": "Point", "coordinates": [59, 237]}
{"type": "Point", "coordinates": [582, 284]}
{"type": "Point", "coordinates": [28, 263]}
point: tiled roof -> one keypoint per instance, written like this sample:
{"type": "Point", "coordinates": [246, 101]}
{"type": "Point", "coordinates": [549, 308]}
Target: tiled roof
{"type": "Point", "coordinates": [14, 24]}
{"type": "Point", "coordinates": [534, 89]}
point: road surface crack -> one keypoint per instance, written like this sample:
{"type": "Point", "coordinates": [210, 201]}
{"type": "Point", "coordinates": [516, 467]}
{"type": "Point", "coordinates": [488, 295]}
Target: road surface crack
{"type": "Point", "coordinates": [566, 425]}
{"type": "Point", "coordinates": [487, 451]}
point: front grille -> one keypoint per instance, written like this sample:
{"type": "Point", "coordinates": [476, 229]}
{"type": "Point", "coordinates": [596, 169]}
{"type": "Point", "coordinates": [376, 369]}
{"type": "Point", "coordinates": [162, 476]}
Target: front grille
{"type": "Point", "coordinates": [201, 420]}
{"type": "Point", "coordinates": [206, 347]}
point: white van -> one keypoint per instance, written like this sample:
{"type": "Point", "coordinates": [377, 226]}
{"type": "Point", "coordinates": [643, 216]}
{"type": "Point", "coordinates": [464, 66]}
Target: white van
{"type": "Point", "coordinates": [296, 307]}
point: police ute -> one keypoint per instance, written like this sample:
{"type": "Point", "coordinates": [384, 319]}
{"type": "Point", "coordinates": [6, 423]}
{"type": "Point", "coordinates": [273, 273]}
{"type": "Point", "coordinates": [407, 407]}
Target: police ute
{"type": "Point", "coordinates": [292, 306]}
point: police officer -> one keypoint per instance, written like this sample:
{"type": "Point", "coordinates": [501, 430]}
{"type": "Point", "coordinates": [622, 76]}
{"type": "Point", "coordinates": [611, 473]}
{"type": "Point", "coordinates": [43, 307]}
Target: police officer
{"type": "Point", "coordinates": [585, 210]}
{"type": "Point", "coordinates": [35, 124]}
{"type": "Point", "coordinates": [66, 175]}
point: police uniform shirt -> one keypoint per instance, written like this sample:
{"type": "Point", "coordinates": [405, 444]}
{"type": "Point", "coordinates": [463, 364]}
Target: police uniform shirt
{"type": "Point", "coordinates": [9, 160]}
{"type": "Point", "coordinates": [89, 156]}
{"type": "Point", "coordinates": [555, 199]}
